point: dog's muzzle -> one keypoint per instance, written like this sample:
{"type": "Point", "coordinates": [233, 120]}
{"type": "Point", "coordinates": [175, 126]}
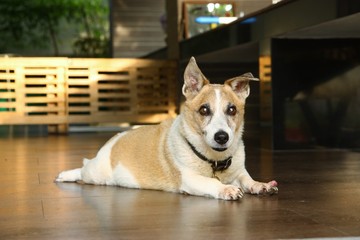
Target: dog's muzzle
{"type": "Point", "coordinates": [221, 137]}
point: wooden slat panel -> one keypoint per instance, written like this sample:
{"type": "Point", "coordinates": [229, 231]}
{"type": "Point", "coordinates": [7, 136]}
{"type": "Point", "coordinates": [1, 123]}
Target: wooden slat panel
{"type": "Point", "coordinates": [7, 94]}
{"type": "Point", "coordinates": [42, 91]}
{"type": "Point", "coordinates": [43, 109]}
{"type": "Point", "coordinates": [153, 109]}
{"type": "Point", "coordinates": [14, 63]}
{"type": "Point", "coordinates": [39, 71]}
{"type": "Point", "coordinates": [114, 95]}
{"type": "Point", "coordinates": [20, 87]}
{"type": "Point", "coordinates": [81, 108]}
{"type": "Point", "coordinates": [76, 83]}
{"type": "Point", "coordinates": [7, 75]}
{"type": "Point", "coordinates": [68, 91]}
{"type": "Point", "coordinates": [129, 117]}
{"type": "Point", "coordinates": [17, 118]}
{"type": "Point", "coordinates": [122, 78]}
{"type": "Point", "coordinates": [44, 100]}
{"type": "Point", "coordinates": [7, 104]}
{"type": "Point", "coordinates": [158, 98]}
{"type": "Point", "coordinates": [8, 85]}
{"type": "Point", "coordinates": [113, 86]}
{"type": "Point", "coordinates": [78, 90]}
{"type": "Point", "coordinates": [77, 73]}
{"type": "Point", "coordinates": [113, 104]}
{"type": "Point", "coordinates": [43, 81]}
{"type": "Point", "coordinates": [78, 100]}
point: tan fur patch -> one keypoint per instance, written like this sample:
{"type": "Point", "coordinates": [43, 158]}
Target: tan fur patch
{"type": "Point", "coordinates": [195, 121]}
{"type": "Point", "coordinates": [230, 96]}
{"type": "Point", "coordinates": [145, 154]}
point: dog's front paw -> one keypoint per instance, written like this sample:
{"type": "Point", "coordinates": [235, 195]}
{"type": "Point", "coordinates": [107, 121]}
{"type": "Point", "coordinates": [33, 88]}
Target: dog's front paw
{"type": "Point", "coordinates": [264, 188]}
{"type": "Point", "coordinates": [230, 192]}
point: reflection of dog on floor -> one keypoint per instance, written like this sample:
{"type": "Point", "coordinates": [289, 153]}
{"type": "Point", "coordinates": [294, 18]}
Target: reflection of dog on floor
{"type": "Point", "coordinates": [201, 152]}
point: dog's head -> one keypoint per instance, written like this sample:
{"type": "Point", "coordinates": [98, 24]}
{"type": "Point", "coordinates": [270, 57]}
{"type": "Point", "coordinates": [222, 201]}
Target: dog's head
{"type": "Point", "coordinates": [215, 112]}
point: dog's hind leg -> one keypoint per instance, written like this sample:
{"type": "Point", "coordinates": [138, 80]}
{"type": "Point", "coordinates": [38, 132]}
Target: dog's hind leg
{"type": "Point", "coordinates": [95, 171]}
{"type": "Point", "coordinates": [69, 176]}
{"type": "Point", "coordinates": [73, 175]}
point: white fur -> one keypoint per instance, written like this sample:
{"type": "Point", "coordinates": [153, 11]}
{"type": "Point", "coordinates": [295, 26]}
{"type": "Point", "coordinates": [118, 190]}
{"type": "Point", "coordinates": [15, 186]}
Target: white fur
{"type": "Point", "coordinates": [98, 170]}
{"type": "Point", "coordinates": [218, 123]}
{"type": "Point", "coordinates": [123, 177]}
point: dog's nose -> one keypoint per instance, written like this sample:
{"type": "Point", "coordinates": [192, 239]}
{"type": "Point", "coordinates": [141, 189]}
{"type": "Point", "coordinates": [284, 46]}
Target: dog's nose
{"type": "Point", "coordinates": [221, 137]}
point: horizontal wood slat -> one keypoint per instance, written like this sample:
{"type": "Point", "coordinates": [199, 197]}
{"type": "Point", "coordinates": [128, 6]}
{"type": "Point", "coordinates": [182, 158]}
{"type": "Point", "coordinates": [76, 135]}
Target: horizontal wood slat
{"type": "Point", "coordinates": [65, 91]}
{"type": "Point", "coordinates": [44, 100]}
{"type": "Point", "coordinates": [45, 109]}
{"type": "Point", "coordinates": [9, 85]}
{"type": "Point", "coordinates": [5, 95]}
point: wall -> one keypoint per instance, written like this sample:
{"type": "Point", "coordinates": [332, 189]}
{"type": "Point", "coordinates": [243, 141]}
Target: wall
{"type": "Point", "coordinates": [136, 28]}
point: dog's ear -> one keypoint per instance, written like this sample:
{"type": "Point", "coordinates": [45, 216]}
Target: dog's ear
{"type": "Point", "coordinates": [240, 84]}
{"type": "Point", "coordinates": [194, 79]}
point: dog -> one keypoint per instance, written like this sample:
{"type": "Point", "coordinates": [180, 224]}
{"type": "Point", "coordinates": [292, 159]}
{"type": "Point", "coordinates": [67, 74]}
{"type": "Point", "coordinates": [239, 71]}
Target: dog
{"type": "Point", "coordinates": [200, 152]}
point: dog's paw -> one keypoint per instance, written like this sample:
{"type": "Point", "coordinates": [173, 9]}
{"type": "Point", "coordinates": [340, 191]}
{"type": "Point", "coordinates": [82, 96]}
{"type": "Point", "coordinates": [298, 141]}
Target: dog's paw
{"type": "Point", "coordinates": [230, 192]}
{"type": "Point", "coordinates": [264, 188]}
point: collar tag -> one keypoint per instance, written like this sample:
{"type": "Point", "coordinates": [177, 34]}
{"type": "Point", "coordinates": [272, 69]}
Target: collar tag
{"type": "Point", "coordinates": [221, 165]}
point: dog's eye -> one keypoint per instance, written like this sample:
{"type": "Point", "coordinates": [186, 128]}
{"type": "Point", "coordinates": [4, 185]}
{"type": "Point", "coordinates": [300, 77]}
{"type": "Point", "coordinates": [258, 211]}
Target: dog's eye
{"type": "Point", "coordinates": [204, 110]}
{"type": "Point", "coordinates": [231, 111]}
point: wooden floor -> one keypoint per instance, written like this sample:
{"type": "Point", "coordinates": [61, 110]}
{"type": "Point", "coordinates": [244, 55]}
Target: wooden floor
{"type": "Point", "coordinates": [319, 197]}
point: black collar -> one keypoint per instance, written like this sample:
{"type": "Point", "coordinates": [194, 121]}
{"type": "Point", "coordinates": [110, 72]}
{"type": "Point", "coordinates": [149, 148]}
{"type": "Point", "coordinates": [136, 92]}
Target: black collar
{"type": "Point", "coordinates": [215, 165]}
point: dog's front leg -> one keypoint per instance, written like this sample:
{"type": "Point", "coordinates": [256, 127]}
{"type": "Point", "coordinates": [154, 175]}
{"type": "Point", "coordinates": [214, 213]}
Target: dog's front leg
{"type": "Point", "coordinates": [195, 184]}
{"type": "Point", "coordinates": [254, 187]}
